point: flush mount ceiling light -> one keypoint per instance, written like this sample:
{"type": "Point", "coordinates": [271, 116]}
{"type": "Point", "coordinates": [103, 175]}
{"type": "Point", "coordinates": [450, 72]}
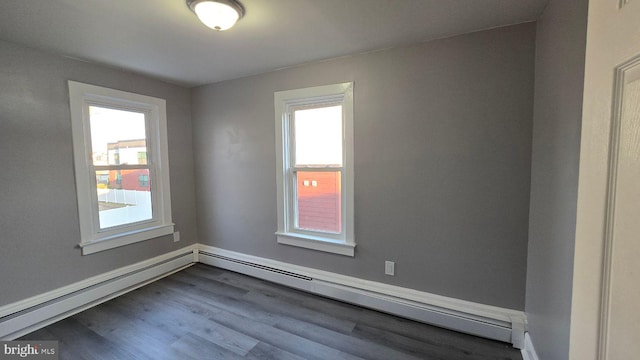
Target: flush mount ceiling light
{"type": "Point", "coordinates": [217, 14]}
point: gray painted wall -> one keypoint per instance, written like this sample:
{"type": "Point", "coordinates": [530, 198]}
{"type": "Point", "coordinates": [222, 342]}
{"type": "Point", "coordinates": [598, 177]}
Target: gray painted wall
{"type": "Point", "coordinates": [442, 164]}
{"type": "Point", "coordinates": [560, 51]}
{"type": "Point", "coordinates": [38, 208]}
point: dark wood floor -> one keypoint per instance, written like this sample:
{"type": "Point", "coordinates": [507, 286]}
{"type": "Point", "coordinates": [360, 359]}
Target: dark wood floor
{"type": "Point", "coordinates": [208, 313]}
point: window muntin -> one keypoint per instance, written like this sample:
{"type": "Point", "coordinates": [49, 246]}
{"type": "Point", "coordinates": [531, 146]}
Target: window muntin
{"type": "Point", "coordinates": [315, 177]}
{"type": "Point", "coordinates": [143, 180]}
{"type": "Point", "coordinates": [142, 157]}
{"type": "Point", "coordinates": [123, 196]}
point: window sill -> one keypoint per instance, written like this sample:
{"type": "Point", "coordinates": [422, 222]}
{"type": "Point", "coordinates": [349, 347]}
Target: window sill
{"type": "Point", "coordinates": [317, 243]}
{"type": "Point", "coordinates": [126, 238]}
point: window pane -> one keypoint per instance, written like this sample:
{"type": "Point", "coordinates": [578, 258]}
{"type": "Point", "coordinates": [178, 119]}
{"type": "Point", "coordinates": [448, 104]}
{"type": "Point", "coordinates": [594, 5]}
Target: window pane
{"type": "Point", "coordinates": [123, 197]}
{"type": "Point", "coordinates": [117, 136]}
{"type": "Point", "coordinates": [318, 136]}
{"type": "Point", "coordinates": [318, 200]}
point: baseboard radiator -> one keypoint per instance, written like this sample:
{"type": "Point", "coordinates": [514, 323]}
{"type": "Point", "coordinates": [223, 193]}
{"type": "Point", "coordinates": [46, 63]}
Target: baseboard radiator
{"type": "Point", "coordinates": [476, 319]}
{"type": "Point", "coordinates": [256, 266]}
{"type": "Point", "coordinates": [491, 322]}
{"type": "Point", "coordinates": [25, 316]}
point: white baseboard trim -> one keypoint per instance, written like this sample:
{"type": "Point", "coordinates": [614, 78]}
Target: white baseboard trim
{"type": "Point", "coordinates": [28, 315]}
{"type": "Point", "coordinates": [25, 316]}
{"type": "Point", "coordinates": [529, 352]}
{"type": "Point", "coordinates": [477, 319]}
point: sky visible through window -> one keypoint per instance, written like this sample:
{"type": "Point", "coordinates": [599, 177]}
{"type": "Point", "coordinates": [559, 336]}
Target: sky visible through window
{"type": "Point", "coordinates": [110, 126]}
{"type": "Point", "coordinates": [318, 136]}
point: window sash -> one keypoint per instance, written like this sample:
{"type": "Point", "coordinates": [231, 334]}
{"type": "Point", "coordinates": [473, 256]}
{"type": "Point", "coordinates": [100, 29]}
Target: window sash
{"type": "Point", "coordinates": [122, 106]}
{"type": "Point", "coordinates": [94, 199]}
{"type": "Point", "coordinates": [291, 135]}
{"type": "Point", "coordinates": [292, 208]}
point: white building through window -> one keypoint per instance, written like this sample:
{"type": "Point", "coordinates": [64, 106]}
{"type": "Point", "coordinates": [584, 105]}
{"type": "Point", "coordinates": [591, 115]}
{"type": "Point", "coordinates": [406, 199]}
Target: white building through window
{"type": "Point", "coordinates": [314, 145]}
{"type": "Point", "coordinates": [121, 166]}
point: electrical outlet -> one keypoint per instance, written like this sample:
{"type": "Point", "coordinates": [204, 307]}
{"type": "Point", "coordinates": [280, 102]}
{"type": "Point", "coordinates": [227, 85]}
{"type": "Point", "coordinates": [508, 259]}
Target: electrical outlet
{"type": "Point", "coordinates": [176, 236]}
{"type": "Point", "coordinates": [389, 268]}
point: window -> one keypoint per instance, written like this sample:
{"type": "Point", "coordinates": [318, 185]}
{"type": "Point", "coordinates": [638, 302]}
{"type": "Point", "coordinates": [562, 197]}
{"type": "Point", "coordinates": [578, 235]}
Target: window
{"type": "Point", "coordinates": [142, 157]}
{"type": "Point", "coordinates": [123, 196]}
{"type": "Point", "coordinates": [314, 146]}
{"type": "Point", "coordinates": [143, 180]}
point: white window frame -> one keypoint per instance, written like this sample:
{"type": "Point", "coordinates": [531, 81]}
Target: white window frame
{"type": "Point", "coordinates": [94, 239]}
{"type": "Point", "coordinates": [284, 102]}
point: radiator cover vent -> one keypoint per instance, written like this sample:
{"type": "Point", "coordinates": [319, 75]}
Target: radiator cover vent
{"type": "Point", "coordinates": [257, 266]}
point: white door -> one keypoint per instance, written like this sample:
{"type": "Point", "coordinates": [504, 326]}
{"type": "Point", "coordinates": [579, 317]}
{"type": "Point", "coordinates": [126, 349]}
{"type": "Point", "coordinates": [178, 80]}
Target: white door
{"type": "Point", "coordinates": [620, 328]}
{"type": "Point", "coordinates": [605, 322]}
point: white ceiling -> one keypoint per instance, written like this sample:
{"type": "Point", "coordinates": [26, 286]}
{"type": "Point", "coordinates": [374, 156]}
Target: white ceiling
{"type": "Point", "coordinates": [164, 39]}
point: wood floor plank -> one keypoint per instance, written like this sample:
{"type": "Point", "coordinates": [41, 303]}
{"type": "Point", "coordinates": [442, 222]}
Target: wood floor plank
{"type": "Point", "coordinates": [281, 339]}
{"type": "Point", "coordinates": [215, 302]}
{"type": "Point", "coordinates": [196, 347]}
{"type": "Point", "coordinates": [426, 349]}
{"type": "Point", "coordinates": [179, 311]}
{"type": "Point", "coordinates": [273, 304]}
{"type": "Point", "coordinates": [258, 329]}
{"type": "Point", "coordinates": [122, 330]}
{"type": "Point", "coordinates": [64, 352]}
{"type": "Point", "coordinates": [79, 342]}
{"type": "Point", "coordinates": [204, 312]}
{"type": "Point", "coordinates": [263, 297]}
{"type": "Point", "coordinates": [264, 351]}
{"type": "Point", "coordinates": [432, 334]}
{"type": "Point", "coordinates": [195, 279]}
{"type": "Point", "coordinates": [343, 342]}
{"type": "Point", "coordinates": [137, 308]}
